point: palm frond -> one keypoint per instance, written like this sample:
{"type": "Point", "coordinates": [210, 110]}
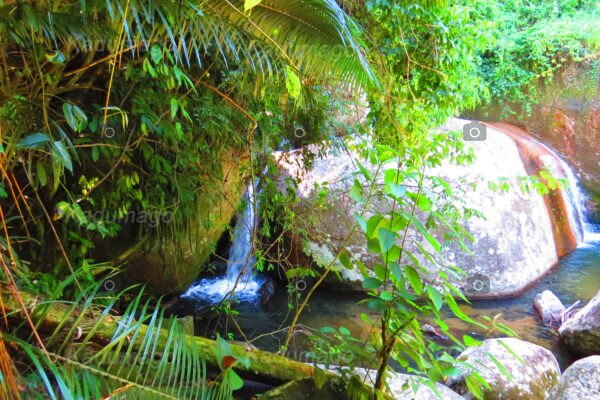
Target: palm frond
{"type": "Point", "coordinates": [315, 37]}
{"type": "Point", "coordinates": [147, 356]}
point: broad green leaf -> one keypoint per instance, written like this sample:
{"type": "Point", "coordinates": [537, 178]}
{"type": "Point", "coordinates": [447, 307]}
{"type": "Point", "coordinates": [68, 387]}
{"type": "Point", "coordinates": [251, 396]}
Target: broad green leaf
{"type": "Point", "coordinates": [470, 341]}
{"type": "Point", "coordinates": [3, 194]}
{"type": "Point", "coordinates": [60, 153]}
{"type": "Point", "coordinates": [414, 279]}
{"type": "Point", "coordinates": [234, 380]}
{"type": "Point", "coordinates": [372, 223]}
{"type": "Point", "coordinates": [365, 172]}
{"type": "Point", "coordinates": [292, 82]}
{"type": "Point", "coordinates": [34, 141]}
{"type": "Point", "coordinates": [174, 107]}
{"type": "Point", "coordinates": [356, 192]}
{"type": "Point", "coordinates": [435, 297]}
{"type": "Point", "coordinates": [75, 117]}
{"type": "Point", "coordinates": [344, 331]}
{"type": "Point", "coordinates": [41, 173]}
{"type": "Point", "coordinates": [371, 283]}
{"type": "Point", "coordinates": [386, 296]}
{"type": "Point", "coordinates": [156, 54]}
{"type": "Point", "coordinates": [386, 239]}
{"type": "Point", "coordinates": [95, 153]}
{"type": "Point", "coordinates": [250, 4]}
{"type": "Point", "coordinates": [361, 222]}
{"type": "Point", "coordinates": [396, 190]}
{"type": "Point", "coordinates": [345, 259]}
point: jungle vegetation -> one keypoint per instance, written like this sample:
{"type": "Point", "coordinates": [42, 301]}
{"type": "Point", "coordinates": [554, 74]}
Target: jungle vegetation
{"type": "Point", "coordinates": [130, 105]}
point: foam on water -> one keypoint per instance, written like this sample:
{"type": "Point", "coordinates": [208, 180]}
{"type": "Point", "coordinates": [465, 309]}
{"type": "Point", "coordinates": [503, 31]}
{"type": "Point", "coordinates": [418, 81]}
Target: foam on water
{"type": "Point", "coordinates": [239, 279]}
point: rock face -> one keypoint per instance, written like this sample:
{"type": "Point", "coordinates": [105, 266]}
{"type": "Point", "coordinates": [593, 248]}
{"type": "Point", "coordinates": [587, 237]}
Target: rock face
{"type": "Point", "coordinates": [533, 370]}
{"type": "Point", "coordinates": [580, 381]}
{"type": "Point", "coordinates": [581, 332]}
{"type": "Point", "coordinates": [549, 307]}
{"type": "Point", "coordinates": [172, 268]}
{"type": "Point", "coordinates": [512, 247]}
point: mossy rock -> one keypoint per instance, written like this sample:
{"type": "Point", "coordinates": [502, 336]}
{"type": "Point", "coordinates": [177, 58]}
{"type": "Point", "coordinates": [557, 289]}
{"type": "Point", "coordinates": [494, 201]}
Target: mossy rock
{"type": "Point", "coordinates": [171, 268]}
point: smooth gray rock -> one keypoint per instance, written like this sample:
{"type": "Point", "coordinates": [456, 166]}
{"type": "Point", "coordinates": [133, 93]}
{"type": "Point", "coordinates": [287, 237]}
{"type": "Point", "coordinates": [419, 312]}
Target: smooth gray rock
{"type": "Point", "coordinates": [548, 307]}
{"type": "Point", "coordinates": [513, 246]}
{"type": "Point", "coordinates": [533, 370]}
{"type": "Point", "coordinates": [581, 332]}
{"type": "Point", "coordinates": [581, 381]}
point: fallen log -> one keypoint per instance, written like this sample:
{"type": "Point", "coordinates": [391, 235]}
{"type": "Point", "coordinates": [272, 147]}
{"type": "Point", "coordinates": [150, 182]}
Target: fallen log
{"type": "Point", "coordinates": [264, 366]}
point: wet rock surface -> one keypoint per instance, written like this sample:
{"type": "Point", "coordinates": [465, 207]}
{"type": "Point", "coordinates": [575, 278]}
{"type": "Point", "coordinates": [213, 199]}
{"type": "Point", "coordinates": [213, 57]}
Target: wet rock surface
{"type": "Point", "coordinates": [581, 332]}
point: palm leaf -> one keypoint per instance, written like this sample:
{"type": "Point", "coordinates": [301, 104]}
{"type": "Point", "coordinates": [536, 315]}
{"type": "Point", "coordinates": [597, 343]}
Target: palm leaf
{"type": "Point", "coordinates": [148, 356]}
{"type": "Point", "coordinates": [315, 37]}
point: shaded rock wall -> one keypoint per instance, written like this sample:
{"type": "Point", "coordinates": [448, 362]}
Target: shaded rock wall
{"type": "Point", "coordinates": [172, 268]}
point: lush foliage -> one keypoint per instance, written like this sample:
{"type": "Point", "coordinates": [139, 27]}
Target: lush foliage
{"type": "Point", "coordinates": [531, 43]}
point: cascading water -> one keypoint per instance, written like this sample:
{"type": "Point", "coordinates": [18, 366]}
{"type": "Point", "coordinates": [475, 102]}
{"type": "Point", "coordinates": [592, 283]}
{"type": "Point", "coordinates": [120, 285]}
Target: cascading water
{"type": "Point", "coordinates": [239, 280]}
{"type": "Point", "coordinates": [575, 199]}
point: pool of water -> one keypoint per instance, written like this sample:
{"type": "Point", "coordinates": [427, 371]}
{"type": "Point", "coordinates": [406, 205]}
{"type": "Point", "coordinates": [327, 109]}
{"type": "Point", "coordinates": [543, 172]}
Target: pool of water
{"type": "Point", "coordinates": [576, 277]}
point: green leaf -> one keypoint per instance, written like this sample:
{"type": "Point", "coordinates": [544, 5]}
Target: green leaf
{"type": "Point", "coordinates": [34, 141]}
{"type": "Point", "coordinates": [396, 190]}
{"type": "Point", "coordinates": [156, 54]}
{"type": "Point", "coordinates": [250, 4]}
{"type": "Point", "coordinates": [470, 341]}
{"type": "Point", "coordinates": [319, 377]}
{"type": "Point", "coordinates": [41, 173]}
{"type": "Point", "coordinates": [361, 222]}
{"type": "Point", "coordinates": [415, 280]}
{"type": "Point", "coordinates": [371, 283]}
{"type": "Point", "coordinates": [234, 380]}
{"type": "Point", "coordinates": [386, 296]}
{"type": "Point", "coordinates": [75, 117]}
{"type": "Point", "coordinates": [60, 153]}
{"type": "Point", "coordinates": [3, 194]}
{"type": "Point", "coordinates": [174, 107]}
{"type": "Point", "coordinates": [435, 297]}
{"type": "Point", "coordinates": [344, 331]}
{"type": "Point", "coordinates": [345, 259]}
{"type": "Point", "coordinates": [95, 153]}
{"type": "Point", "coordinates": [356, 192]}
{"type": "Point", "coordinates": [292, 82]}
{"type": "Point", "coordinates": [386, 239]}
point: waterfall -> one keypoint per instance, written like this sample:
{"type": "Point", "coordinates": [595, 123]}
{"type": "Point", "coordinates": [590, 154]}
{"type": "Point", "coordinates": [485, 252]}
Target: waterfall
{"type": "Point", "coordinates": [238, 276]}
{"type": "Point", "coordinates": [575, 199]}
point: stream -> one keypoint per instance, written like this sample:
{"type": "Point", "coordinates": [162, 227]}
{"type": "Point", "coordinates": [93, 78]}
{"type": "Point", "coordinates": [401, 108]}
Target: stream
{"type": "Point", "coordinates": [576, 277]}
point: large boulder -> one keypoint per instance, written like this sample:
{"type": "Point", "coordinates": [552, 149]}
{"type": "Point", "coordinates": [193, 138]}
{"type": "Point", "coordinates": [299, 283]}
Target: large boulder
{"type": "Point", "coordinates": [581, 332]}
{"type": "Point", "coordinates": [533, 370]}
{"type": "Point", "coordinates": [170, 268]}
{"type": "Point", "coordinates": [513, 246]}
{"type": "Point", "coordinates": [581, 381]}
